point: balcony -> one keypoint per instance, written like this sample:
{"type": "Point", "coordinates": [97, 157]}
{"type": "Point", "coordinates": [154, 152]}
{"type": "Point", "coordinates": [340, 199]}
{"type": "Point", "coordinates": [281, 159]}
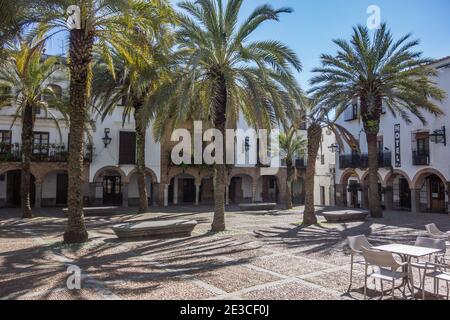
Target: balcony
{"type": "Point", "coordinates": [361, 161]}
{"type": "Point", "coordinates": [420, 159]}
{"type": "Point", "coordinates": [41, 153]}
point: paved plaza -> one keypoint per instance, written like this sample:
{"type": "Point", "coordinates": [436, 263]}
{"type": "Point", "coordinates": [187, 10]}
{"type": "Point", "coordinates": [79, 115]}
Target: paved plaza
{"type": "Point", "coordinates": [262, 256]}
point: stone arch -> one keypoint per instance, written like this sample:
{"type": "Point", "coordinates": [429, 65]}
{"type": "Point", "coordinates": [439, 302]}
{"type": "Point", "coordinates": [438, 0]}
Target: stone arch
{"type": "Point", "coordinates": [176, 171]}
{"type": "Point", "coordinates": [422, 174]}
{"type": "Point", "coordinates": [365, 177]}
{"type": "Point", "coordinates": [100, 173]}
{"type": "Point", "coordinates": [347, 174]}
{"type": "Point", "coordinates": [391, 175]}
{"type": "Point", "coordinates": [149, 172]}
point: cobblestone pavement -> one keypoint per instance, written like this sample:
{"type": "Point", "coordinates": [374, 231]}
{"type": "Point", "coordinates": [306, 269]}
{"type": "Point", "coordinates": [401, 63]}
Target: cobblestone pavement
{"type": "Point", "coordinates": [266, 255]}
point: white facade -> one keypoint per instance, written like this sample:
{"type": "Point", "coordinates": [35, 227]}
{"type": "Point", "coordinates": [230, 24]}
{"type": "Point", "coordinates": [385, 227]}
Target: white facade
{"type": "Point", "coordinates": [423, 165]}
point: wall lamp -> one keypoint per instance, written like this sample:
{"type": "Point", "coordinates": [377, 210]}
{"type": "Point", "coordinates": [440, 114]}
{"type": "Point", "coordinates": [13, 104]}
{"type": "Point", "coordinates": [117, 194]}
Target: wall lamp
{"type": "Point", "coordinates": [439, 136]}
{"type": "Point", "coordinates": [107, 139]}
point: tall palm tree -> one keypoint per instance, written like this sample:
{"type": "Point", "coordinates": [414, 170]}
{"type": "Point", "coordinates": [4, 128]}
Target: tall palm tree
{"type": "Point", "coordinates": [292, 146]}
{"type": "Point", "coordinates": [377, 72]}
{"type": "Point", "coordinates": [137, 77]}
{"type": "Point", "coordinates": [224, 74]}
{"type": "Point", "coordinates": [318, 120]}
{"type": "Point", "coordinates": [28, 72]}
{"type": "Point", "coordinates": [100, 24]}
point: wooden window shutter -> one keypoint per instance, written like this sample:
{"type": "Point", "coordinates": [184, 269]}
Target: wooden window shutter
{"type": "Point", "coordinates": [127, 148]}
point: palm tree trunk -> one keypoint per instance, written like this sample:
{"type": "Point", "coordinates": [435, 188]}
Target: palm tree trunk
{"type": "Point", "coordinates": [314, 137]}
{"type": "Point", "coordinates": [27, 149]}
{"type": "Point", "coordinates": [140, 161]}
{"type": "Point", "coordinates": [81, 43]}
{"type": "Point", "coordinates": [374, 193]}
{"type": "Point", "coordinates": [371, 122]}
{"type": "Point", "coordinates": [289, 181]}
{"type": "Point", "coordinates": [218, 224]}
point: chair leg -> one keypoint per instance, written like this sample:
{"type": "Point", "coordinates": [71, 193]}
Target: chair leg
{"type": "Point", "coordinates": [351, 274]}
{"type": "Point", "coordinates": [365, 284]}
{"type": "Point", "coordinates": [382, 289]}
{"type": "Point", "coordinates": [448, 290]}
{"type": "Point", "coordinates": [393, 289]}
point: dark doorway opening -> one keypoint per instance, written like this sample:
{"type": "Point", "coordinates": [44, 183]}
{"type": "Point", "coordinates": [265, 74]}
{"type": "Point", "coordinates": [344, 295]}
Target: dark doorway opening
{"type": "Point", "coordinates": [112, 191]}
{"type": "Point", "coordinates": [14, 192]}
{"type": "Point", "coordinates": [62, 186]}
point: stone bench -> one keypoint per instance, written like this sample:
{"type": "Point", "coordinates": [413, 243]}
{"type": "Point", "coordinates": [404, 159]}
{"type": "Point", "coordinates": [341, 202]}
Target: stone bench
{"type": "Point", "coordinates": [257, 206]}
{"type": "Point", "coordinates": [345, 216]}
{"type": "Point", "coordinates": [155, 229]}
{"type": "Point", "coordinates": [97, 211]}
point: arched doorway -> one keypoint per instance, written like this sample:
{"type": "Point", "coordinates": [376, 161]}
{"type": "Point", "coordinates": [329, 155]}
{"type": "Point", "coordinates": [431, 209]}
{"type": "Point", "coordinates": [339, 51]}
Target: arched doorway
{"type": "Point", "coordinates": [10, 184]}
{"type": "Point", "coordinates": [398, 184]}
{"type": "Point", "coordinates": [133, 188]}
{"type": "Point", "coordinates": [182, 189]}
{"type": "Point", "coordinates": [241, 189]}
{"type": "Point", "coordinates": [207, 190]}
{"type": "Point", "coordinates": [109, 182]}
{"type": "Point", "coordinates": [268, 189]}
{"type": "Point", "coordinates": [431, 193]}
{"type": "Point", "coordinates": [298, 191]}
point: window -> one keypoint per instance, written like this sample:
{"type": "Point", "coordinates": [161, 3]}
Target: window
{"type": "Point", "coordinates": [322, 159]}
{"type": "Point", "coordinates": [127, 148]}
{"type": "Point", "coordinates": [5, 141]}
{"type": "Point", "coordinates": [351, 113]}
{"type": "Point", "coordinates": [423, 144]}
{"type": "Point", "coordinates": [41, 143]}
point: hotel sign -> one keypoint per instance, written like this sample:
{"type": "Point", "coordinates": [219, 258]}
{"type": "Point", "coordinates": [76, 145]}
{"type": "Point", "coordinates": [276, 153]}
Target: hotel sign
{"type": "Point", "coordinates": [398, 150]}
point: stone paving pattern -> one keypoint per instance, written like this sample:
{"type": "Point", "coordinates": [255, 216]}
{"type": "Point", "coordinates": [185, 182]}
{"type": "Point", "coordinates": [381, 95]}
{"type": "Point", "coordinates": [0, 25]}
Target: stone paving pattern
{"type": "Point", "coordinates": [260, 257]}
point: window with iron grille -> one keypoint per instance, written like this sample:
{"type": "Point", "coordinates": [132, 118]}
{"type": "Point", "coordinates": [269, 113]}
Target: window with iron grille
{"type": "Point", "coordinates": [41, 143]}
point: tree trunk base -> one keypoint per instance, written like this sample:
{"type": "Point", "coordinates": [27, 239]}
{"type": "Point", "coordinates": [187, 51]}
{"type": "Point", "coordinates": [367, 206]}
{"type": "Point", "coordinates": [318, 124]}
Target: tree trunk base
{"type": "Point", "coordinates": [220, 228]}
{"type": "Point", "coordinates": [72, 237]}
{"type": "Point", "coordinates": [376, 214]}
{"type": "Point", "coordinates": [309, 221]}
{"type": "Point", "coordinates": [27, 215]}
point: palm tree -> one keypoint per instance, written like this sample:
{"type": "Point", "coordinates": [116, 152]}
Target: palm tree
{"type": "Point", "coordinates": [224, 74]}
{"type": "Point", "coordinates": [137, 77]}
{"type": "Point", "coordinates": [319, 120]}
{"type": "Point", "coordinates": [292, 145]}
{"type": "Point", "coordinates": [377, 72]}
{"type": "Point", "coordinates": [27, 72]}
{"type": "Point", "coordinates": [101, 22]}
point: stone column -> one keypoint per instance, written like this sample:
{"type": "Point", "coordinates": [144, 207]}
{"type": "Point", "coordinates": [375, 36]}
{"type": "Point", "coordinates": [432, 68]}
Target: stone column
{"type": "Point", "coordinates": [155, 194]}
{"type": "Point", "coordinates": [254, 190]}
{"type": "Point", "coordinates": [125, 195]}
{"type": "Point", "coordinates": [92, 193]}
{"type": "Point", "coordinates": [340, 194]}
{"type": "Point", "coordinates": [227, 195]}
{"type": "Point", "coordinates": [166, 195]}
{"type": "Point", "coordinates": [415, 200]}
{"type": "Point", "coordinates": [175, 191]}
{"type": "Point", "coordinates": [197, 194]}
{"type": "Point", "coordinates": [389, 198]}
{"type": "Point", "coordinates": [365, 197]}
{"type": "Point", "coordinates": [38, 197]}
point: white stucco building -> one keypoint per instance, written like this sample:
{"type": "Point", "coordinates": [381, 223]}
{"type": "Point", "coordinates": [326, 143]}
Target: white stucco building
{"type": "Point", "coordinates": [414, 162]}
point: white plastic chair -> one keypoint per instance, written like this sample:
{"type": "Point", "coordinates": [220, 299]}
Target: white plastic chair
{"type": "Point", "coordinates": [356, 244]}
{"type": "Point", "coordinates": [387, 270]}
{"type": "Point", "coordinates": [441, 272]}
{"type": "Point", "coordinates": [438, 244]}
{"type": "Point", "coordinates": [434, 232]}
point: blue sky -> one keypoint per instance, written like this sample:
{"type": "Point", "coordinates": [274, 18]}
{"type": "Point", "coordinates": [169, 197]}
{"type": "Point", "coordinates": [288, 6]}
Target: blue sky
{"type": "Point", "coordinates": [310, 29]}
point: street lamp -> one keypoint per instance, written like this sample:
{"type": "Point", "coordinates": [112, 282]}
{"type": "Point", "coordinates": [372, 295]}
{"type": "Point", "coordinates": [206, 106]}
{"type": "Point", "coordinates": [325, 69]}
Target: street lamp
{"type": "Point", "coordinates": [334, 148]}
{"type": "Point", "coordinates": [439, 136]}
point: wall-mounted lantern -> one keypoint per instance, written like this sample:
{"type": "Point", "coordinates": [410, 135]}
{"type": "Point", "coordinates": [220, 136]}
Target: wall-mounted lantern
{"type": "Point", "coordinates": [106, 139]}
{"type": "Point", "coordinates": [439, 136]}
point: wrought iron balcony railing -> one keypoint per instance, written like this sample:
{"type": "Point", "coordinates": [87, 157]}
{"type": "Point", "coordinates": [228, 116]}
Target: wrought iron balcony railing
{"type": "Point", "coordinates": [41, 153]}
{"type": "Point", "coordinates": [420, 159]}
{"type": "Point", "coordinates": [361, 161]}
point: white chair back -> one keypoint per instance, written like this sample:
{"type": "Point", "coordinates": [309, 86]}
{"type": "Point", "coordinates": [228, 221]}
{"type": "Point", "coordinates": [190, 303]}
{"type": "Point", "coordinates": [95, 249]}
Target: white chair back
{"type": "Point", "coordinates": [358, 242]}
{"type": "Point", "coordinates": [431, 243]}
{"type": "Point", "coordinates": [380, 259]}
